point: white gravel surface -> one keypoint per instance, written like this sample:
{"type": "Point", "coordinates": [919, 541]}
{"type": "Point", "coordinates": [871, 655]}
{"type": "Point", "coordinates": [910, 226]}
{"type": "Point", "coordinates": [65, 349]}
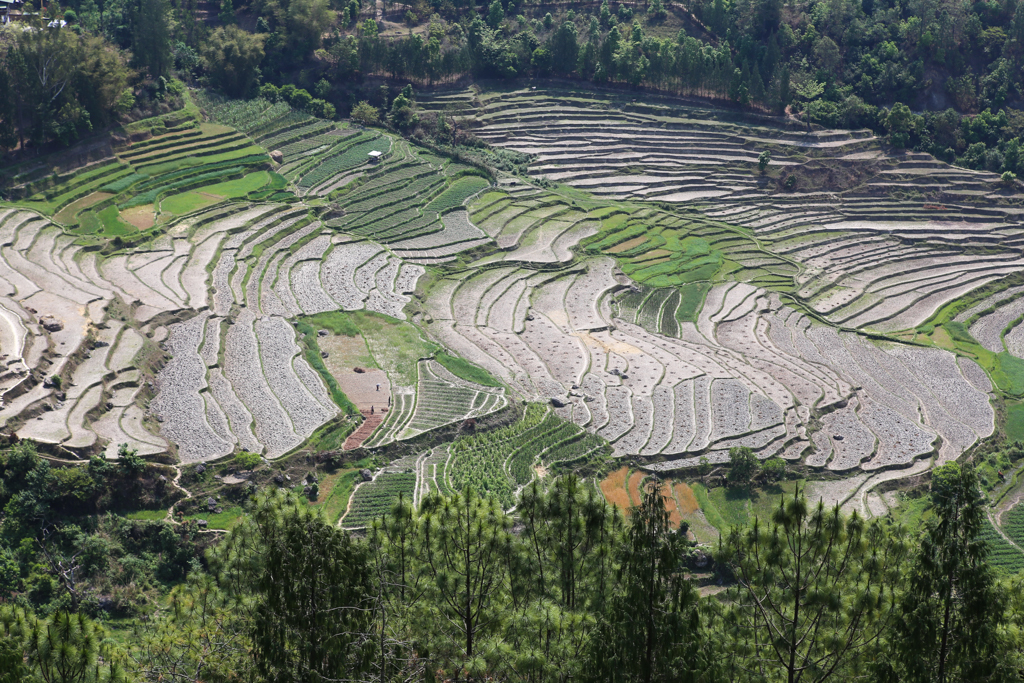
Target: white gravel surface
{"type": "Point", "coordinates": [178, 403]}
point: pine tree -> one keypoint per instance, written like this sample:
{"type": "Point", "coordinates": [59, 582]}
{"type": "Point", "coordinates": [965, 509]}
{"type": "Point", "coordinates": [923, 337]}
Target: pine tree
{"type": "Point", "coordinates": [813, 590]}
{"type": "Point", "coordinates": [951, 613]}
{"type": "Point", "coordinates": [151, 42]}
{"type": "Point", "coordinates": [465, 543]}
{"type": "Point", "coordinates": [8, 111]}
{"type": "Point", "coordinates": [202, 636]}
{"type": "Point", "coordinates": [308, 589]}
{"type": "Point", "coordinates": [651, 628]}
{"type": "Point", "coordinates": [567, 541]}
{"type": "Point", "coordinates": [66, 648]}
{"type": "Point", "coordinates": [561, 571]}
{"type": "Point", "coordinates": [398, 588]}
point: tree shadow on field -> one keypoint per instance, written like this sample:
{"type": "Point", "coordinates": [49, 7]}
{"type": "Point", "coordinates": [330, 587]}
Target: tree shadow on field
{"type": "Point", "coordinates": [735, 494]}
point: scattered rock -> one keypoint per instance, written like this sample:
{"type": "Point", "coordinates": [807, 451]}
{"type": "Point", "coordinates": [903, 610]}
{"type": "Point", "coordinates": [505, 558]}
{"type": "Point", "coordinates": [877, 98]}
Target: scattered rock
{"type": "Point", "coordinates": [277, 156]}
{"type": "Point", "coordinates": [201, 522]}
{"type": "Point", "coordinates": [358, 370]}
{"type": "Point", "coordinates": [323, 354]}
{"type": "Point", "coordinates": [51, 324]}
{"type": "Point", "coordinates": [201, 468]}
{"type": "Point", "coordinates": [557, 402]}
{"type": "Point", "coordinates": [367, 475]}
{"type": "Point", "coordinates": [837, 437]}
{"type": "Point", "coordinates": [110, 406]}
{"type": "Point", "coordinates": [47, 407]}
{"type": "Point", "coordinates": [278, 479]}
{"type": "Point", "coordinates": [322, 333]}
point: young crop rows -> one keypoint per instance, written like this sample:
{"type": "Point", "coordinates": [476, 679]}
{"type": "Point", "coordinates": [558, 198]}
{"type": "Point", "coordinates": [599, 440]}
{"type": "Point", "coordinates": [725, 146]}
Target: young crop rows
{"type": "Point", "coordinates": [374, 499]}
{"type": "Point", "coordinates": [440, 398]}
{"type": "Point", "coordinates": [410, 202]}
{"type": "Point", "coordinates": [502, 461]}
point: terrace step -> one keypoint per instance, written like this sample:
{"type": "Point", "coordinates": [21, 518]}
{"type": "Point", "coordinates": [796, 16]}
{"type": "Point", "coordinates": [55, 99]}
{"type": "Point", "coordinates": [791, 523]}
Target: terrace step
{"type": "Point", "coordinates": [356, 438]}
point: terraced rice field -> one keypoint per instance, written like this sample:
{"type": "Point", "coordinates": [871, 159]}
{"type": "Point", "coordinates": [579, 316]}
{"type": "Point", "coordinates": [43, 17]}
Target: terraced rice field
{"type": "Point", "coordinates": [218, 259]}
{"type": "Point", "coordinates": [857, 255]}
{"type": "Point", "coordinates": [662, 302]}
{"type": "Point", "coordinates": [749, 371]}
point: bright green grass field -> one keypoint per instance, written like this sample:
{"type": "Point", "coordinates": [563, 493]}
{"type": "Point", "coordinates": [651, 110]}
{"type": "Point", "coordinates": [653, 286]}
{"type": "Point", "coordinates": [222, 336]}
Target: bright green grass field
{"type": "Point", "coordinates": [667, 257]}
{"type": "Point", "coordinates": [188, 162]}
{"type": "Point", "coordinates": [1015, 422]}
{"type": "Point", "coordinates": [727, 507]}
{"type": "Point", "coordinates": [335, 490]}
{"type": "Point", "coordinates": [186, 202]}
{"type": "Point", "coordinates": [148, 515]}
{"type": "Point", "coordinates": [1009, 374]}
{"type": "Point", "coordinates": [395, 345]}
{"type": "Point", "coordinates": [692, 300]}
{"type": "Point", "coordinates": [240, 187]}
{"type": "Point", "coordinates": [110, 219]}
{"type": "Point", "coordinates": [335, 321]}
{"type": "Point", "coordinates": [466, 370]}
{"type": "Point", "coordinates": [225, 520]}
{"type": "Point", "coordinates": [912, 512]}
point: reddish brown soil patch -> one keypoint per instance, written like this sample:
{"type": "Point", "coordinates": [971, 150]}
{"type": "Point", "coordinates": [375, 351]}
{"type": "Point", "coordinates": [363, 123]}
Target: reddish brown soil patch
{"type": "Point", "coordinates": [614, 489]}
{"type": "Point", "coordinates": [674, 518]}
{"type": "Point", "coordinates": [634, 487]}
{"type": "Point", "coordinates": [687, 501]}
{"type": "Point", "coordinates": [356, 438]}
